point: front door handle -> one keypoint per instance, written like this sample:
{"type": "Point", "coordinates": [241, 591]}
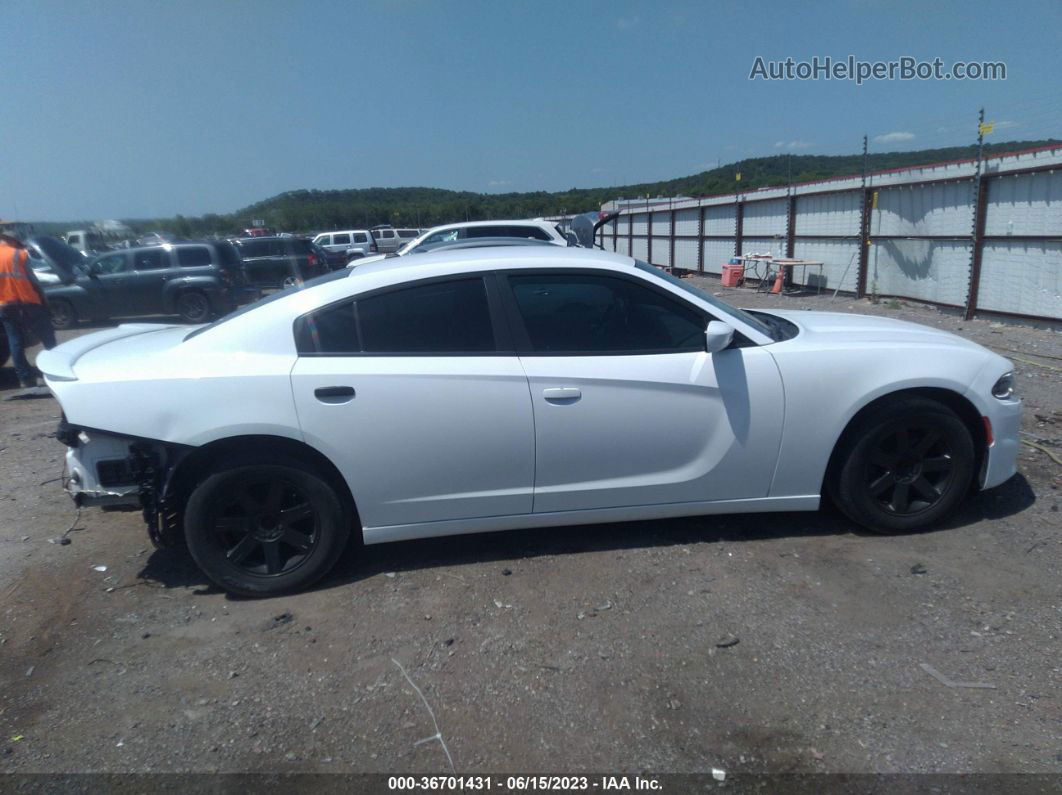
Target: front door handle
{"type": "Point", "coordinates": [562, 394]}
{"type": "Point", "coordinates": [334, 394]}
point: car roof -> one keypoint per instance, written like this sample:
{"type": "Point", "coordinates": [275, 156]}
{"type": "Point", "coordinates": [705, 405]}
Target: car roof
{"type": "Point", "coordinates": [270, 237]}
{"type": "Point", "coordinates": [545, 256]}
{"type": "Point", "coordinates": [496, 222]}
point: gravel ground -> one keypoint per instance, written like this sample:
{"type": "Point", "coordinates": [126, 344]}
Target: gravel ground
{"type": "Point", "coordinates": [761, 643]}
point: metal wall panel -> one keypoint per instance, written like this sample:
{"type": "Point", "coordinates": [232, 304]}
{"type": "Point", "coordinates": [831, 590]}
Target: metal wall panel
{"type": "Point", "coordinates": [835, 256]}
{"type": "Point", "coordinates": [944, 209]}
{"type": "Point", "coordinates": [640, 248]}
{"type": "Point", "coordinates": [1026, 204]}
{"type": "Point", "coordinates": [763, 245]}
{"type": "Point", "coordinates": [720, 219]}
{"type": "Point", "coordinates": [686, 221]}
{"type": "Point", "coordinates": [639, 223]}
{"type": "Point", "coordinates": [765, 218]}
{"type": "Point", "coordinates": [622, 246]}
{"type": "Point", "coordinates": [661, 224]}
{"type": "Point", "coordinates": [1022, 277]}
{"type": "Point", "coordinates": [662, 251]}
{"type": "Point", "coordinates": [928, 269]}
{"type": "Point", "coordinates": [685, 254]}
{"type": "Point", "coordinates": [716, 254]}
{"type": "Point", "coordinates": [832, 214]}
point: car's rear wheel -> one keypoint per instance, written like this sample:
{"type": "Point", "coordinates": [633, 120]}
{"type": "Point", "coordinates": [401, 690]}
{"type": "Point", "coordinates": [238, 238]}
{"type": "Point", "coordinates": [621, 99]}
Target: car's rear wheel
{"type": "Point", "coordinates": [259, 529]}
{"type": "Point", "coordinates": [193, 306]}
{"type": "Point", "coordinates": [905, 466]}
{"type": "Point", "coordinates": [62, 312]}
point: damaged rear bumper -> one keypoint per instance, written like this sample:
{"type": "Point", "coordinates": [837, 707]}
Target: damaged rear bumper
{"type": "Point", "coordinates": [100, 468]}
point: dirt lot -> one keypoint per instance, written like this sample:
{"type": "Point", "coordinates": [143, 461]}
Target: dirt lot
{"type": "Point", "coordinates": [777, 643]}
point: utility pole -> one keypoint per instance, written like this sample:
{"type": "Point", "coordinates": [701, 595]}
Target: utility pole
{"type": "Point", "coordinates": [980, 142]}
{"type": "Point", "coordinates": [864, 184]}
{"type": "Point", "coordinates": [980, 200]}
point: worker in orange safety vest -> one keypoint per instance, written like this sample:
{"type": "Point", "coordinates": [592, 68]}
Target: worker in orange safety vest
{"type": "Point", "coordinates": [23, 308]}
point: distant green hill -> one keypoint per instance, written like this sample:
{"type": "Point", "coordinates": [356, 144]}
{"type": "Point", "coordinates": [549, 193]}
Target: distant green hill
{"type": "Point", "coordinates": [309, 210]}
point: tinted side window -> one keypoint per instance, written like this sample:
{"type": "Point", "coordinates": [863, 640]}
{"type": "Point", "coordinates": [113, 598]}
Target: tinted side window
{"type": "Point", "coordinates": [149, 260]}
{"type": "Point", "coordinates": [333, 330]}
{"type": "Point", "coordinates": [254, 248]}
{"type": "Point", "coordinates": [572, 313]}
{"type": "Point", "coordinates": [112, 263]}
{"type": "Point", "coordinates": [445, 317]}
{"type": "Point", "coordinates": [193, 256]}
{"type": "Point", "coordinates": [340, 240]}
{"type": "Point", "coordinates": [360, 237]}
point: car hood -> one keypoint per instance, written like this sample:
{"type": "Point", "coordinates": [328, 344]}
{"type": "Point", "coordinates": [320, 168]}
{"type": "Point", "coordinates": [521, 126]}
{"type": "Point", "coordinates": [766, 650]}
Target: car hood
{"type": "Point", "coordinates": [110, 353]}
{"type": "Point", "coordinates": [866, 329]}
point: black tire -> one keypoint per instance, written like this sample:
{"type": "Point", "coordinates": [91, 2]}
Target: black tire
{"type": "Point", "coordinates": [63, 313]}
{"type": "Point", "coordinates": [235, 528]}
{"type": "Point", "coordinates": [4, 352]}
{"type": "Point", "coordinates": [905, 466]}
{"type": "Point", "coordinates": [193, 306]}
{"type": "Point", "coordinates": [290, 281]}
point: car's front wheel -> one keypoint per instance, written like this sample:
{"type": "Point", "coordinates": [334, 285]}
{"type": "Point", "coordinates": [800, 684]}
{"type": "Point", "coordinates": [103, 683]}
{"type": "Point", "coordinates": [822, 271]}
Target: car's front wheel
{"type": "Point", "coordinates": [906, 465]}
{"type": "Point", "coordinates": [265, 528]}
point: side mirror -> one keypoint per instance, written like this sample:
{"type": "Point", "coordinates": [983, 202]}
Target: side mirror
{"type": "Point", "coordinates": [718, 336]}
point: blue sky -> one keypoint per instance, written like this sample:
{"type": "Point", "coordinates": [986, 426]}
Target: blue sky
{"type": "Point", "coordinates": [139, 109]}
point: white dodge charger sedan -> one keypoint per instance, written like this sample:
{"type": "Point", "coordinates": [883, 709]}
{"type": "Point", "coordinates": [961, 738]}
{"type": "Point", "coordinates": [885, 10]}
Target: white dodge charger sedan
{"type": "Point", "coordinates": [491, 389]}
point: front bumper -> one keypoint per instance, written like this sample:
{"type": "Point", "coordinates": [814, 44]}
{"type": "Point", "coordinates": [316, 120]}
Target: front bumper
{"type": "Point", "coordinates": [1001, 459]}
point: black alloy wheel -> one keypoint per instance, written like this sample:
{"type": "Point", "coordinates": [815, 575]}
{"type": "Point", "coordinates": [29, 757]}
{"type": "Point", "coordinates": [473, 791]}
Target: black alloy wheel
{"type": "Point", "coordinates": [903, 466]}
{"type": "Point", "coordinates": [265, 525]}
{"type": "Point", "coordinates": [910, 468]}
{"type": "Point", "coordinates": [268, 526]}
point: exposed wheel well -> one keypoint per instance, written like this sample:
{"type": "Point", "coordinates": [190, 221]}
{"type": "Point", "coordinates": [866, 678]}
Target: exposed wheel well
{"type": "Point", "coordinates": [965, 410]}
{"type": "Point", "coordinates": [191, 468]}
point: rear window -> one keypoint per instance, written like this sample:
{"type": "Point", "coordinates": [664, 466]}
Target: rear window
{"type": "Point", "coordinates": [296, 246]}
{"type": "Point", "coordinates": [340, 240]}
{"type": "Point", "coordinates": [228, 254]}
{"type": "Point", "coordinates": [360, 237]}
{"type": "Point", "coordinates": [151, 259]}
{"type": "Point", "coordinates": [254, 248]}
{"type": "Point", "coordinates": [408, 234]}
{"type": "Point", "coordinates": [504, 230]}
{"type": "Point", "coordinates": [193, 256]}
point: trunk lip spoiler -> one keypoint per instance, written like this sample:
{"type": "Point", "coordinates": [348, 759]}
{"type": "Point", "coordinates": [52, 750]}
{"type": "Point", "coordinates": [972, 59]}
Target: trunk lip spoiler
{"type": "Point", "coordinates": [58, 363]}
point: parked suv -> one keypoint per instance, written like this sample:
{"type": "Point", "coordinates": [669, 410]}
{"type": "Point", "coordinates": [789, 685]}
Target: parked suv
{"type": "Point", "coordinates": [387, 240]}
{"type": "Point", "coordinates": [532, 230]}
{"type": "Point", "coordinates": [342, 247]}
{"type": "Point", "coordinates": [197, 281]}
{"type": "Point", "coordinates": [280, 261]}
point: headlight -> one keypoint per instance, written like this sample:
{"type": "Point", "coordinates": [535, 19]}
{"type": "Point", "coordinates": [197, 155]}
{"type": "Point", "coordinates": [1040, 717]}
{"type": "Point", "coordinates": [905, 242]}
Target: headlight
{"type": "Point", "coordinates": [1004, 387]}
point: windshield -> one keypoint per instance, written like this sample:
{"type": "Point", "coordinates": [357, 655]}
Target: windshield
{"type": "Point", "coordinates": [342, 273]}
{"type": "Point", "coordinates": [711, 300]}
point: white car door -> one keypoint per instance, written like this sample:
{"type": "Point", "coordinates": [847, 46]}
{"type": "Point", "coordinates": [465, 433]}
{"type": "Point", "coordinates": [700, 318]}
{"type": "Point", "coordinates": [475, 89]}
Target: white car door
{"type": "Point", "coordinates": [629, 408]}
{"type": "Point", "coordinates": [405, 390]}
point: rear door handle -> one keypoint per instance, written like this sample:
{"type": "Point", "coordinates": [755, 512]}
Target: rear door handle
{"type": "Point", "coordinates": [334, 394]}
{"type": "Point", "coordinates": [562, 394]}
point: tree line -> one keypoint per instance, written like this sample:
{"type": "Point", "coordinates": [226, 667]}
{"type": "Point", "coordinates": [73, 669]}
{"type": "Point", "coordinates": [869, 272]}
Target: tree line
{"type": "Point", "coordinates": [316, 210]}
